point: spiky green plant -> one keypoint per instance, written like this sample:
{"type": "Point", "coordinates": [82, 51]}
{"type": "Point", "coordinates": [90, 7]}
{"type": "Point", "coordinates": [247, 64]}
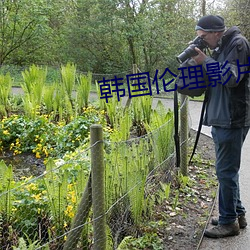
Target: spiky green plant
{"type": "Point", "coordinates": [56, 187]}
{"type": "Point", "coordinates": [83, 90]}
{"type": "Point", "coordinates": [102, 102]}
{"type": "Point", "coordinates": [62, 106]}
{"type": "Point", "coordinates": [5, 90]}
{"type": "Point", "coordinates": [6, 184]}
{"type": "Point", "coordinates": [161, 129]}
{"type": "Point", "coordinates": [68, 74]}
{"type": "Point", "coordinates": [122, 126]}
{"type": "Point", "coordinates": [126, 171]}
{"type": "Point", "coordinates": [142, 107]}
{"type": "Point", "coordinates": [48, 97]}
{"type": "Point", "coordinates": [114, 111]}
{"type": "Point", "coordinates": [33, 85]}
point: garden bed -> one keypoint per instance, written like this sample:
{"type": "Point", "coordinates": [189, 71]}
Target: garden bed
{"type": "Point", "coordinates": [178, 222]}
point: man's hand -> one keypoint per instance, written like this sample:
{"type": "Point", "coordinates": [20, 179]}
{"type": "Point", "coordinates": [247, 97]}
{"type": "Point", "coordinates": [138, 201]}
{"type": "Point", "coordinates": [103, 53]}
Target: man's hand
{"type": "Point", "coordinates": [200, 58]}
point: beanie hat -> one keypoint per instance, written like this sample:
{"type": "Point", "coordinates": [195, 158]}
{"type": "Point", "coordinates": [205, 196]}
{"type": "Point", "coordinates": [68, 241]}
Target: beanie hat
{"type": "Point", "coordinates": [210, 23]}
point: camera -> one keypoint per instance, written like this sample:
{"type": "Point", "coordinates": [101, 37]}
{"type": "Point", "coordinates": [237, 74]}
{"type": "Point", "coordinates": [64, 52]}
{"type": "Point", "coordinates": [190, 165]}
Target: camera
{"type": "Point", "coordinates": [190, 51]}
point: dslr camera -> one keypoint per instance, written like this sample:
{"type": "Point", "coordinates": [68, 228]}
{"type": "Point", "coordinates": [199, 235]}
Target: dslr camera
{"type": "Point", "coordinates": [190, 51]}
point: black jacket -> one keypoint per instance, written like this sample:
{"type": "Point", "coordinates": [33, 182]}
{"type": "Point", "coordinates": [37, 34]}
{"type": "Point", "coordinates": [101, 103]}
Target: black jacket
{"type": "Point", "coordinates": [228, 105]}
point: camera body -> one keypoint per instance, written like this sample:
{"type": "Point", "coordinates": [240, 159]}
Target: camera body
{"type": "Point", "coordinates": [190, 51]}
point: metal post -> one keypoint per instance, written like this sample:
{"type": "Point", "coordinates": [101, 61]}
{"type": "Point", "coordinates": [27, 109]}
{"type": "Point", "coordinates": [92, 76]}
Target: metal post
{"type": "Point", "coordinates": [184, 135]}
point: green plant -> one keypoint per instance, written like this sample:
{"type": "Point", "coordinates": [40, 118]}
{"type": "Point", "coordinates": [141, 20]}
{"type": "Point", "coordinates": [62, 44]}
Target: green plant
{"type": "Point", "coordinates": [147, 241]}
{"type": "Point", "coordinates": [161, 128]}
{"type": "Point", "coordinates": [56, 187]}
{"type": "Point", "coordinates": [6, 184]}
{"type": "Point", "coordinates": [126, 173]}
{"type": "Point", "coordinates": [34, 81]}
{"type": "Point", "coordinates": [102, 102]}
{"type": "Point", "coordinates": [5, 90]}
{"type": "Point", "coordinates": [142, 107]}
{"type": "Point", "coordinates": [114, 111]}
{"type": "Point", "coordinates": [28, 245]}
{"type": "Point", "coordinates": [83, 91]}
{"type": "Point", "coordinates": [48, 98]}
{"type": "Point", "coordinates": [184, 181]}
{"type": "Point", "coordinates": [176, 199]}
{"type": "Point", "coordinates": [30, 208]}
{"type": "Point", "coordinates": [44, 137]}
{"type": "Point", "coordinates": [68, 74]}
{"type": "Point", "coordinates": [164, 191]}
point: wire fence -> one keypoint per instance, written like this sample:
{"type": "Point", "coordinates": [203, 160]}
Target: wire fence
{"type": "Point", "coordinates": [44, 212]}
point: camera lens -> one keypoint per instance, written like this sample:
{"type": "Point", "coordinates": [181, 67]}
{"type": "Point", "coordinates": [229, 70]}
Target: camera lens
{"type": "Point", "coordinates": [187, 53]}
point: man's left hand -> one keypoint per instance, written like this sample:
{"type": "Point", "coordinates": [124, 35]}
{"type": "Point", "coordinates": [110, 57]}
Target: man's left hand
{"type": "Point", "coordinates": [200, 58]}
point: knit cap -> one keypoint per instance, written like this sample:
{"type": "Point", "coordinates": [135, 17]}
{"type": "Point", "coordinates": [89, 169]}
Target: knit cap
{"type": "Point", "coordinates": [210, 23]}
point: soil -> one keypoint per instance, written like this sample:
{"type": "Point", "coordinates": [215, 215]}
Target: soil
{"type": "Point", "coordinates": [186, 223]}
{"type": "Point", "coordinates": [25, 164]}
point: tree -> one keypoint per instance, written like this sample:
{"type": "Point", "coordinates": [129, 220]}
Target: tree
{"type": "Point", "coordinates": [237, 13]}
{"type": "Point", "coordinates": [21, 21]}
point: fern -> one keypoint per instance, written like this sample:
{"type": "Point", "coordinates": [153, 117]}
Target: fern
{"type": "Point", "coordinates": [56, 184]}
{"type": "Point", "coordinates": [33, 86]}
{"type": "Point", "coordinates": [68, 74]}
{"type": "Point", "coordinates": [6, 184]}
{"type": "Point", "coordinates": [83, 90]}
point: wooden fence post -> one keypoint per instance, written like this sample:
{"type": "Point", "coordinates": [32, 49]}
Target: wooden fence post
{"type": "Point", "coordinates": [98, 186]}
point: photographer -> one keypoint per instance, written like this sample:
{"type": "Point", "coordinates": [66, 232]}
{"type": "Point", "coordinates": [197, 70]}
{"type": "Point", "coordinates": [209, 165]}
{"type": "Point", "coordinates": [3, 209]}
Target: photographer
{"type": "Point", "coordinates": [228, 112]}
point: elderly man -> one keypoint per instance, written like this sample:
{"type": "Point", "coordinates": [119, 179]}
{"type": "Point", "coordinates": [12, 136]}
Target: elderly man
{"type": "Point", "coordinates": [228, 112]}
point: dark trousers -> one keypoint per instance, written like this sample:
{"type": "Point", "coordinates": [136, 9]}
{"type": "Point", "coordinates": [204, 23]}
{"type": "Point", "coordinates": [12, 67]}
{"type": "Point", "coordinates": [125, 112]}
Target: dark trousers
{"type": "Point", "coordinates": [228, 145]}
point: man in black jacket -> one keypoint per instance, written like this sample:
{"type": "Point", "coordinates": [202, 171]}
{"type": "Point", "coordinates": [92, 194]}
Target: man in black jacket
{"type": "Point", "coordinates": [228, 112]}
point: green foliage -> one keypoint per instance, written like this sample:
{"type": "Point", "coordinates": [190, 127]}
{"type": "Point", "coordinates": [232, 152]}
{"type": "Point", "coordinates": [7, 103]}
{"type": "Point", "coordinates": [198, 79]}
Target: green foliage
{"type": "Point", "coordinates": [164, 191]}
{"type": "Point", "coordinates": [142, 108]}
{"type": "Point", "coordinates": [83, 91]}
{"type": "Point", "coordinates": [147, 241]}
{"type": "Point", "coordinates": [30, 206]}
{"type": "Point", "coordinates": [48, 98]}
{"type": "Point", "coordinates": [127, 161]}
{"type": "Point", "coordinates": [114, 111]}
{"type": "Point", "coordinates": [23, 25]}
{"type": "Point", "coordinates": [5, 90]}
{"type": "Point", "coordinates": [43, 137]}
{"type": "Point", "coordinates": [68, 74]}
{"type": "Point", "coordinates": [29, 245]}
{"type": "Point", "coordinates": [56, 187]}
{"type": "Point", "coordinates": [126, 172]}
{"type": "Point", "coordinates": [161, 126]}
{"type": "Point", "coordinates": [6, 184]}
{"type": "Point", "coordinates": [33, 85]}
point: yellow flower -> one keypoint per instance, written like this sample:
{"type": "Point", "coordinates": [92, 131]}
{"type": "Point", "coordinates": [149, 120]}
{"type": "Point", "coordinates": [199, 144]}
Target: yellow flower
{"type": "Point", "coordinates": [14, 209]}
{"type": "Point", "coordinates": [37, 196]}
{"type": "Point", "coordinates": [31, 187]}
{"type": "Point", "coordinates": [38, 155]}
{"type": "Point", "coordinates": [6, 132]}
{"type": "Point", "coordinates": [73, 199]}
{"type": "Point", "coordinates": [69, 211]}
